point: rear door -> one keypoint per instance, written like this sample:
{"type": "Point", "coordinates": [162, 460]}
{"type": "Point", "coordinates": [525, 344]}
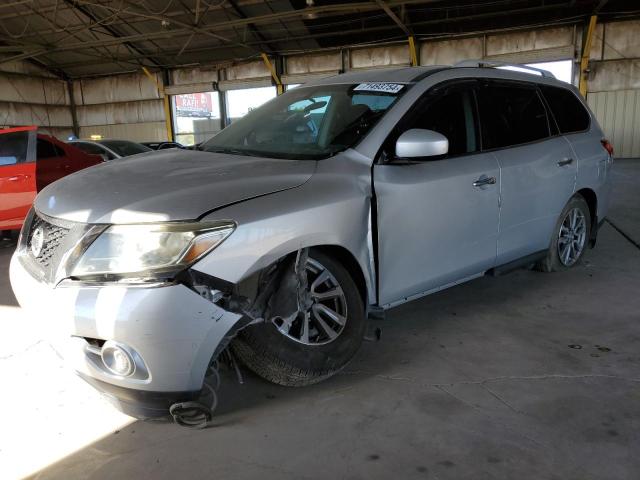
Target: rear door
{"type": "Point", "coordinates": [437, 218]}
{"type": "Point", "coordinates": [17, 175]}
{"type": "Point", "coordinates": [51, 162]}
{"type": "Point", "coordinates": [538, 168]}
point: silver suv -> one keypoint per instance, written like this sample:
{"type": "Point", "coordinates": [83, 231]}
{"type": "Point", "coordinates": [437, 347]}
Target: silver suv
{"type": "Point", "coordinates": [280, 236]}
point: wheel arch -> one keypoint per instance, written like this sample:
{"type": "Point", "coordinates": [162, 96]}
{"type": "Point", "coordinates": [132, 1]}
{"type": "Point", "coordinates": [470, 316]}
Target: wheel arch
{"type": "Point", "coordinates": [349, 261]}
{"type": "Point", "coordinates": [592, 201]}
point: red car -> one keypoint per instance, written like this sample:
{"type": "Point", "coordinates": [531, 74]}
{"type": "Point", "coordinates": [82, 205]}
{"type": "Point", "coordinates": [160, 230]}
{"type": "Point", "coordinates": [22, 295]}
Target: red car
{"type": "Point", "coordinates": [29, 161]}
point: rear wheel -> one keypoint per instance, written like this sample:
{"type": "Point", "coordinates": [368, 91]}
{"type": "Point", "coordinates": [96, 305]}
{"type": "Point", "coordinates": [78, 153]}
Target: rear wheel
{"type": "Point", "coordinates": [312, 345]}
{"type": "Point", "coordinates": [571, 236]}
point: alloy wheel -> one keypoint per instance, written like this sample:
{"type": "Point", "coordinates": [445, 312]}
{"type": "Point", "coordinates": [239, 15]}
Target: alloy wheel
{"type": "Point", "coordinates": [325, 317]}
{"type": "Point", "coordinates": [572, 237]}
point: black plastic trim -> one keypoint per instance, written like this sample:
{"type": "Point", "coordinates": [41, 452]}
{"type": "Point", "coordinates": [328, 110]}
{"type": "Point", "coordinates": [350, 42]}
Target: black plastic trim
{"type": "Point", "coordinates": [517, 264]}
{"type": "Point", "coordinates": [140, 404]}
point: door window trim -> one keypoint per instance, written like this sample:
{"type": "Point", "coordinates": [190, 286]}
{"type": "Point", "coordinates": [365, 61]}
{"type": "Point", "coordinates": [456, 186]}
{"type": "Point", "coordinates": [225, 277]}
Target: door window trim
{"type": "Point", "coordinates": [522, 84]}
{"type": "Point", "coordinates": [473, 84]}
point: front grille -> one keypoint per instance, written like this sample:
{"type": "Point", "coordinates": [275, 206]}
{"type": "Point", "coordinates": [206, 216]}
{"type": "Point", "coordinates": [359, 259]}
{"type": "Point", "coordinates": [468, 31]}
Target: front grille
{"type": "Point", "coordinates": [58, 237]}
{"type": "Point", "coordinates": [53, 237]}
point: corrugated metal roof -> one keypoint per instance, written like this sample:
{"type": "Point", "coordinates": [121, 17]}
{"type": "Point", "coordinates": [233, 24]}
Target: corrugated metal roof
{"type": "Point", "coordinates": [80, 38]}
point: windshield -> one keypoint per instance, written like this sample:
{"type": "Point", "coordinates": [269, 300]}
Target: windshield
{"type": "Point", "coordinates": [308, 122]}
{"type": "Point", "coordinates": [125, 148]}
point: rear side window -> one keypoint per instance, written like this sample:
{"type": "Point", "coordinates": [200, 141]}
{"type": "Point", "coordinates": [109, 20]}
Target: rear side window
{"type": "Point", "coordinates": [568, 111]}
{"type": "Point", "coordinates": [48, 150]}
{"type": "Point", "coordinates": [511, 115]}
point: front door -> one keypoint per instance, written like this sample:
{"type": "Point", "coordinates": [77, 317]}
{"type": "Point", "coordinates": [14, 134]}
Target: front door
{"type": "Point", "coordinates": [437, 218]}
{"type": "Point", "coordinates": [17, 175]}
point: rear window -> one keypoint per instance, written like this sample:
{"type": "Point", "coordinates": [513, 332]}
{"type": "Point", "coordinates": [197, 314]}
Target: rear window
{"type": "Point", "coordinates": [89, 148]}
{"type": "Point", "coordinates": [511, 115]}
{"type": "Point", "coordinates": [568, 111]}
{"type": "Point", "coordinates": [13, 147]}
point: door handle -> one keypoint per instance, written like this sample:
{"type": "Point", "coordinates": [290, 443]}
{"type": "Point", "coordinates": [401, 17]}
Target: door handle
{"type": "Point", "coordinates": [565, 162]}
{"type": "Point", "coordinates": [16, 178]}
{"type": "Point", "coordinates": [482, 181]}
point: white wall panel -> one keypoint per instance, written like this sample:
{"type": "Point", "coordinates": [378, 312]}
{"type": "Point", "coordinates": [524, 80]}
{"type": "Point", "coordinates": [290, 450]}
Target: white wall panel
{"type": "Point", "coordinates": [309, 64]}
{"type": "Point", "coordinates": [121, 113]}
{"type": "Point", "coordinates": [396, 55]}
{"type": "Point", "coordinates": [19, 114]}
{"type": "Point", "coordinates": [448, 52]}
{"type": "Point", "coordinates": [118, 88]}
{"type": "Point", "coordinates": [21, 88]}
{"type": "Point", "coordinates": [139, 132]}
{"type": "Point", "coordinates": [618, 113]}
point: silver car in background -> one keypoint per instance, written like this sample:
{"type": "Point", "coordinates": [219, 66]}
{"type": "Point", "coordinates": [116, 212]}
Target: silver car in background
{"type": "Point", "coordinates": [287, 230]}
{"type": "Point", "coordinates": [111, 149]}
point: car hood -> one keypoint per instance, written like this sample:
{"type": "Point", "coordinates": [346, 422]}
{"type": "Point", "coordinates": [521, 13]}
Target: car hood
{"type": "Point", "coordinates": [167, 185]}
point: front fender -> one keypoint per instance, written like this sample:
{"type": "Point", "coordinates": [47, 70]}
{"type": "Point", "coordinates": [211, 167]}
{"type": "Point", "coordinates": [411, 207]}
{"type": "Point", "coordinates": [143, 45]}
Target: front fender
{"type": "Point", "coordinates": [332, 208]}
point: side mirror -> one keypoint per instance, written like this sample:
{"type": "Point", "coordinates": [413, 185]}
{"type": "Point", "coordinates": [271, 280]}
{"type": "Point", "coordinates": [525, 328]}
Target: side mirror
{"type": "Point", "coordinates": [417, 143]}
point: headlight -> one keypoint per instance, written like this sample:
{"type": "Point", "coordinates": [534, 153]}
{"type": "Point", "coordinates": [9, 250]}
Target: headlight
{"type": "Point", "coordinates": [141, 250]}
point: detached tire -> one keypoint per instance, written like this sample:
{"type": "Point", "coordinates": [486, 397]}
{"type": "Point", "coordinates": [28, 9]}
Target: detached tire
{"type": "Point", "coordinates": [570, 238]}
{"type": "Point", "coordinates": [287, 353]}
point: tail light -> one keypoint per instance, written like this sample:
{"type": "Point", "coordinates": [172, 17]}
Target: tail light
{"type": "Point", "coordinates": [607, 146]}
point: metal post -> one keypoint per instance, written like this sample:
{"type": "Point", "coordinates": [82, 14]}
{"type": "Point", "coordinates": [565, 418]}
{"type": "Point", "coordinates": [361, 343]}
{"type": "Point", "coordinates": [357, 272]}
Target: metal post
{"type": "Point", "coordinates": [72, 107]}
{"type": "Point", "coordinates": [413, 52]}
{"type": "Point", "coordinates": [586, 53]}
{"type": "Point", "coordinates": [165, 100]}
{"type": "Point", "coordinates": [274, 74]}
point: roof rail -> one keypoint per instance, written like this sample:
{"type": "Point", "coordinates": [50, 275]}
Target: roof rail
{"type": "Point", "coordinates": [495, 64]}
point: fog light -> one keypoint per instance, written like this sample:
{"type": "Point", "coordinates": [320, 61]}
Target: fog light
{"type": "Point", "coordinates": [117, 359]}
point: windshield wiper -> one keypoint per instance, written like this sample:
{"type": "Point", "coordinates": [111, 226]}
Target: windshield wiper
{"type": "Point", "coordinates": [231, 151]}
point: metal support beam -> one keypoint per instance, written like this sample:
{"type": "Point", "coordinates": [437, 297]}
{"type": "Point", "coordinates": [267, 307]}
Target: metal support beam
{"type": "Point", "coordinates": [274, 74]}
{"type": "Point", "coordinates": [586, 53]}
{"type": "Point", "coordinates": [165, 99]}
{"type": "Point", "coordinates": [72, 107]}
{"type": "Point", "coordinates": [394, 17]}
{"type": "Point", "coordinates": [413, 52]}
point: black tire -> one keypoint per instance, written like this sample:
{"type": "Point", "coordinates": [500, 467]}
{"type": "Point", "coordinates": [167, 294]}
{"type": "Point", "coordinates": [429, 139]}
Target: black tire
{"type": "Point", "coordinates": [553, 262]}
{"type": "Point", "coordinates": [281, 360]}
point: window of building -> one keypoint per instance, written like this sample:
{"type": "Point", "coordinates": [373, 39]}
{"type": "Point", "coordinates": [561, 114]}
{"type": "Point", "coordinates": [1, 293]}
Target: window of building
{"type": "Point", "coordinates": [511, 114]}
{"type": "Point", "coordinates": [561, 69]}
{"type": "Point", "coordinates": [241, 102]}
{"type": "Point", "coordinates": [196, 117]}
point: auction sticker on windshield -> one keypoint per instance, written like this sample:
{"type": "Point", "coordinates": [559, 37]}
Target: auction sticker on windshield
{"type": "Point", "coordinates": [379, 87]}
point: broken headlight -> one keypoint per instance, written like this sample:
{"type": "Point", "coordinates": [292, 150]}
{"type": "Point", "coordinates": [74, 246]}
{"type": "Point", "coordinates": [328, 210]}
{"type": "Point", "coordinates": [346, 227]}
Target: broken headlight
{"type": "Point", "coordinates": [142, 251]}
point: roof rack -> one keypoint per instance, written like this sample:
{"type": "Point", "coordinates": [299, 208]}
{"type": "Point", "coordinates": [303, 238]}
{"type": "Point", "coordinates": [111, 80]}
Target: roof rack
{"type": "Point", "coordinates": [496, 64]}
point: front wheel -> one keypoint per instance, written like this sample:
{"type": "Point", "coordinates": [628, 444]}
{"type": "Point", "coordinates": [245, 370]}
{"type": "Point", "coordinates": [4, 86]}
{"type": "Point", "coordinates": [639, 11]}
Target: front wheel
{"type": "Point", "coordinates": [571, 234]}
{"type": "Point", "coordinates": [314, 344]}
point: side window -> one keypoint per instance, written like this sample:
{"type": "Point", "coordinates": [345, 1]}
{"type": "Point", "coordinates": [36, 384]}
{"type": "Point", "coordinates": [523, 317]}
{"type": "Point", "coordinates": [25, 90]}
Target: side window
{"type": "Point", "coordinates": [570, 114]}
{"type": "Point", "coordinates": [47, 149]}
{"type": "Point", "coordinates": [13, 147]}
{"type": "Point", "coordinates": [453, 115]}
{"type": "Point", "coordinates": [511, 115]}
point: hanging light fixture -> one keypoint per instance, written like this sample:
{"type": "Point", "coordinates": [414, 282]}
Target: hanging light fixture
{"type": "Point", "coordinates": [311, 15]}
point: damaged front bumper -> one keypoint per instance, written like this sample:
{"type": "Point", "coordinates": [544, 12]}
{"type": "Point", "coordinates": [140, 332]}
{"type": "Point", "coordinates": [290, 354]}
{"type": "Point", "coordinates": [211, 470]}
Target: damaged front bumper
{"type": "Point", "coordinates": [173, 332]}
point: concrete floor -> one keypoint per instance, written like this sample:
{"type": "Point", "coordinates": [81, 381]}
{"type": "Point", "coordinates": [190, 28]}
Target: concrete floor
{"type": "Point", "coordinates": [526, 376]}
